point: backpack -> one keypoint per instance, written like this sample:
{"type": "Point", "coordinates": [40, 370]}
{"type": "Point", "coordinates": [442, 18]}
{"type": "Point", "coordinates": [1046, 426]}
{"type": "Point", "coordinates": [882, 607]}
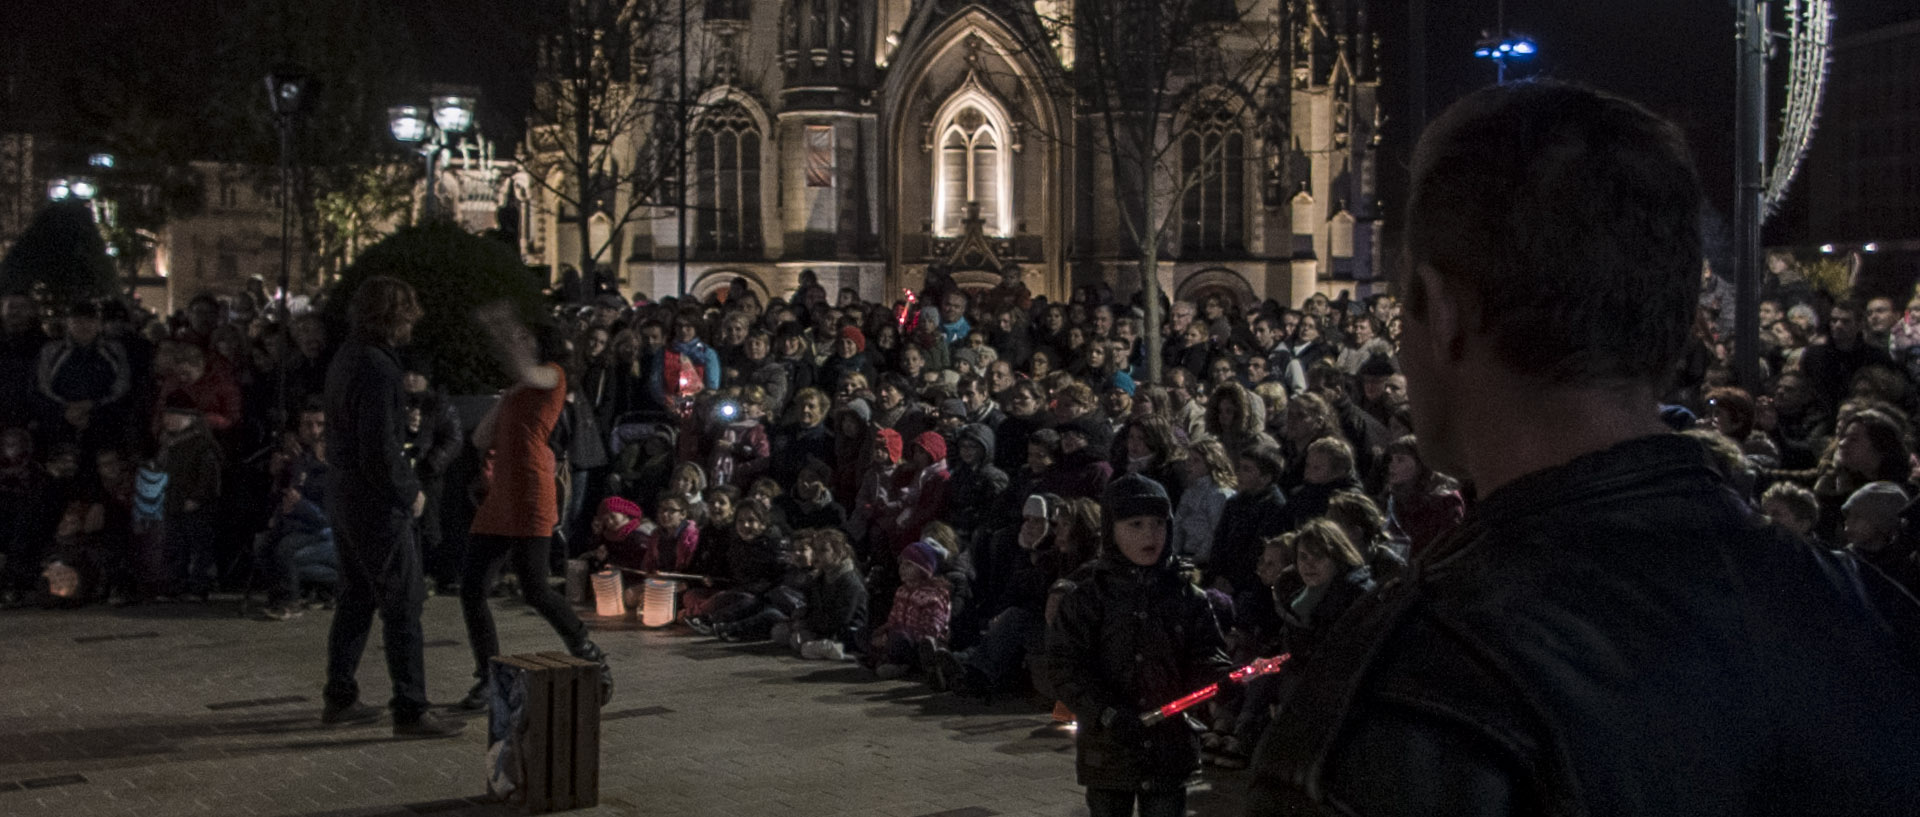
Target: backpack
{"type": "Point", "coordinates": [149, 495]}
{"type": "Point", "coordinates": [576, 439]}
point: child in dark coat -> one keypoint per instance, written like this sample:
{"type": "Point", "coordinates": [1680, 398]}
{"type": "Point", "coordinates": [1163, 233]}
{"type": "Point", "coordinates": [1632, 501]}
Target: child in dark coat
{"type": "Point", "coordinates": [191, 460]}
{"type": "Point", "coordinates": [1130, 636]}
{"type": "Point", "coordinates": [835, 615]}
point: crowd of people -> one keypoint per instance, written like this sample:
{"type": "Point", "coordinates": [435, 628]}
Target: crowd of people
{"type": "Point", "coordinates": [988, 492]}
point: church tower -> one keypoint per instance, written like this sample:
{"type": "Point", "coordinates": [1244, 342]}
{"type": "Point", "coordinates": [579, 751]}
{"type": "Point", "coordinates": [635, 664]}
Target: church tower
{"type": "Point", "coordinates": [826, 136]}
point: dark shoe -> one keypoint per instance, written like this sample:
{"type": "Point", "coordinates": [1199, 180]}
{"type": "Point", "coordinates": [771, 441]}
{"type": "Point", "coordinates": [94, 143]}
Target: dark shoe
{"type": "Point", "coordinates": [428, 725]}
{"type": "Point", "coordinates": [700, 624]}
{"type": "Point", "coordinates": [476, 699]}
{"type": "Point", "coordinates": [588, 651]}
{"type": "Point", "coordinates": [933, 659]}
{"type": "Point", "coordinates": [353, 713]}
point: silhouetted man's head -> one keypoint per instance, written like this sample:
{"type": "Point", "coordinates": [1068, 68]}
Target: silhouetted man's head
{"type": "Point", "coordinates": [1554, 229]}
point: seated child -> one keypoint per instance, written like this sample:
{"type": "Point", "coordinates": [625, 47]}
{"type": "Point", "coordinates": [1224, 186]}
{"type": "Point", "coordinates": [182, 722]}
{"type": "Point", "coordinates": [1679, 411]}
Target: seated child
{"type": "Point", "coordinates": [920, 610]}
{"type": "Point", "coordinates": [835, 614]}
{"type": "Point", "coordinates": [621, 535]}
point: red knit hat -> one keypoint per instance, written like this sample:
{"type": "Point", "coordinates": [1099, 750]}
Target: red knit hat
{"type": "Point", "coordinates": [890, 439]}
{"type": "Point", "coordinates": [621, 505]}
{"type": "Point", "coordinates": [854, 334]}
{"type": "Point", "coordinates": [932, 443]}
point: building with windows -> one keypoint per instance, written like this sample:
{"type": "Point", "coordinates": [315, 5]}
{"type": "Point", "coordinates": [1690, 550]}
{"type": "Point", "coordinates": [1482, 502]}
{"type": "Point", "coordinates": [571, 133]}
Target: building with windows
{"type": "Point", "coordinates": [876, 142]}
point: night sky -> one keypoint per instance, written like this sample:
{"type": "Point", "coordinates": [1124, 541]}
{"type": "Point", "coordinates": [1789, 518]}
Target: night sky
{"type": "Point", "coordinates": [1674, 55]}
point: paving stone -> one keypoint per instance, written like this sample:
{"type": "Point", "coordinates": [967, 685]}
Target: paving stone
{"type": "Point", "coordinates": [190, 710]}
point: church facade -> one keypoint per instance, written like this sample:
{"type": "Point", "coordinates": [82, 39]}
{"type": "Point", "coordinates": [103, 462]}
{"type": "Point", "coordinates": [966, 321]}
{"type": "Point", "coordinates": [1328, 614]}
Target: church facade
{"type": "Point", "coordinates": [874, 142]}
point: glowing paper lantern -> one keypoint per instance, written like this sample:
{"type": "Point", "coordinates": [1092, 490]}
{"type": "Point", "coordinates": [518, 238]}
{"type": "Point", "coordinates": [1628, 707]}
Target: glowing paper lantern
{"type": "Point", "coordinates": [606, 594]}
{"type": "Point", "coordinates": [658, 606]}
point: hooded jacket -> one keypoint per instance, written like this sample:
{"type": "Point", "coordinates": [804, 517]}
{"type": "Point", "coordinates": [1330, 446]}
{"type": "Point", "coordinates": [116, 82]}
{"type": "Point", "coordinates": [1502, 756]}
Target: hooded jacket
{"type": "Point", "coordinates": [1126, 640]}
{"type": "Point", "coordinates": [976, 490]}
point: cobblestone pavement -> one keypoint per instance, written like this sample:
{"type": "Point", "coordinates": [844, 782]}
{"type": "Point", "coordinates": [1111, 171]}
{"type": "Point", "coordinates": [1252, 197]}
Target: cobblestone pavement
{"type": "Point", "coordinates": [190, 710]}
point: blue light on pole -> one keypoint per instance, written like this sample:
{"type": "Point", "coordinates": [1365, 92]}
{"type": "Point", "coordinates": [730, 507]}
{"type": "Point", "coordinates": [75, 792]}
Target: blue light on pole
{"type": "Point", "coordinates": [1505, 47]}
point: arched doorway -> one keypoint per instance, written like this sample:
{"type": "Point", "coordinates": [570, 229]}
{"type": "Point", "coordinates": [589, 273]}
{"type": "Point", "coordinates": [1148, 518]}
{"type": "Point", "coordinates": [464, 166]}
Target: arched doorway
{"type": "Point", "coordinates": [1230, 286]}
{"type": "Point", "coordinates": [717, 280]}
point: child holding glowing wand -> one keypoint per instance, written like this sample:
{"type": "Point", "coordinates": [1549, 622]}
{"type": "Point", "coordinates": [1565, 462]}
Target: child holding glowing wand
{"type": "Point", "coordinates": [1130, 636]}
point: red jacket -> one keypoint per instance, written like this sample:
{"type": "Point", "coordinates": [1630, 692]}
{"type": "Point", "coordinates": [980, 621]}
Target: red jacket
{"type": "Point", "coordinates": [215, 394]}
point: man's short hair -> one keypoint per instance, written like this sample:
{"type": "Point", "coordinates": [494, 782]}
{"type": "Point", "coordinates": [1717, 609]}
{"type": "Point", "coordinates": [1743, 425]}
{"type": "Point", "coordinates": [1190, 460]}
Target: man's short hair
{"type": "Point", "coordinates": [1569, 220]}
{"type": "Point", "coordinates": [1267, 459]}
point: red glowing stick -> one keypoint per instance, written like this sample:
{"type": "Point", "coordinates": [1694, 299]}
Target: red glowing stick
{"type": "Point", "coordinates": [1262, 666]}
{"type": "Point", "coordinates": [906, 310]}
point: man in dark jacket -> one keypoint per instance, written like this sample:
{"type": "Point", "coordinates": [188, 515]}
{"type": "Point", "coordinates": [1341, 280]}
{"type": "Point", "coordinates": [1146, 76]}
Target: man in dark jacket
{"type": "Point", "coordinates": [438, 442]}
{"type": "Point", "coordinates": [373, 496]}
{"type": "Point", "coordinates": [1614, 630]}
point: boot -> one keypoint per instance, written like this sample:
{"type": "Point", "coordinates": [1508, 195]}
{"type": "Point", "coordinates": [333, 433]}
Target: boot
{"type": "Point", "coordinates": [476, 699]}
{"type": "Point", "coordinates": [587, 650]}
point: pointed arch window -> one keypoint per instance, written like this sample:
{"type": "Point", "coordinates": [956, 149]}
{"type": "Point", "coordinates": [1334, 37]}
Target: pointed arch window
{"type": "Point", "coordinates": [726, 158]}
{"type": "Point", "coordinates": [972, 167]}
{"type": "Point", "coordinates": [1213, 162]}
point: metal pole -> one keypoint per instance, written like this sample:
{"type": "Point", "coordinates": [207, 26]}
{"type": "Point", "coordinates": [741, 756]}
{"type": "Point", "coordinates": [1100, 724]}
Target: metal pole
{"type": "Point", "coordinates": [1749, 139]}
{"type": "Point", "coordinates": [1417, 39]}
{"type": "Point", "coordinates": [680, 165]}
{"type": "Point", "coordinates": [427, 203]}
{"type": "Point", "coordinates": [279, 413]}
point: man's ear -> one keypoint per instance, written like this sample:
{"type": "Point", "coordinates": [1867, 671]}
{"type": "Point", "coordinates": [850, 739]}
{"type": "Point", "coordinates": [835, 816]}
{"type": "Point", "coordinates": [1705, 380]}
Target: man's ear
{"type": "Point", "coordinates": [1445, 317]}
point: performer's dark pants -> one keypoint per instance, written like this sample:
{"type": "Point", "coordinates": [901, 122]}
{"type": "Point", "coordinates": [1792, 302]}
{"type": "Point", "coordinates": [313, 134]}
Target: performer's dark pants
{"type": "Point", "coordinates": [379, 573]}
{"type": "Point", "coordinates": [485, 553]}
{"type": "Point", "coordinates": [1119, 803]}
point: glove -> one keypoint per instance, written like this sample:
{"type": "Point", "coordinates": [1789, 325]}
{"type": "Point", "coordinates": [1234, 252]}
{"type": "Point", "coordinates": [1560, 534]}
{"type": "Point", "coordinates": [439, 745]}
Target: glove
{"type": "Point", "coordinates": [1123, 725]}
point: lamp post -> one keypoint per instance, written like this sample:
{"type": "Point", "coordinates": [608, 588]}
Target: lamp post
{"type": "Point", "coordinates": [431, 129]}
{"type": "Point", "coordinates": [1500, 45]}
{"type": "Point", "coordinates": [290, 93]}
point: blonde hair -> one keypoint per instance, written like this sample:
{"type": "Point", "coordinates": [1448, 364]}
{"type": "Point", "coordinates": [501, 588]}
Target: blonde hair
{"type": "Point", "coordinates": [1219, 465]}
{"type": "Point", "coordinates": [1321, 537]}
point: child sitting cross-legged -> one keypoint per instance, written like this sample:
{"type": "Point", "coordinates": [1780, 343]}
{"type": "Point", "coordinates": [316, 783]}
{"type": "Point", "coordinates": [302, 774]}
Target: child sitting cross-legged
{"type": "Point", "coordinates": [835, 615]}
{"type": "Point", "coordinates": [920, 610]}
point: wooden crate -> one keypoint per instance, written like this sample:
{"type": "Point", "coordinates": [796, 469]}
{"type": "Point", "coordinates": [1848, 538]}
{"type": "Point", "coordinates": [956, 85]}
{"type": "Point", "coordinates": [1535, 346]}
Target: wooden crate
{"type": "Point", "coordinates": [543, 732]}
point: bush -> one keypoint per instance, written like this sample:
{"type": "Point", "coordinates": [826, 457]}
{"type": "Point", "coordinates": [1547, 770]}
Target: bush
{"type": "Point", "coordinates": [454, 272]}
{"type": "Point", "coordinates": [60, 256]}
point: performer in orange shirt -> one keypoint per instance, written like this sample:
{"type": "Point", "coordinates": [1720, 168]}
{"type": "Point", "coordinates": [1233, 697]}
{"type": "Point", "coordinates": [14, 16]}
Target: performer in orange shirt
{"type": "Point", "coordinates": [521, 507]}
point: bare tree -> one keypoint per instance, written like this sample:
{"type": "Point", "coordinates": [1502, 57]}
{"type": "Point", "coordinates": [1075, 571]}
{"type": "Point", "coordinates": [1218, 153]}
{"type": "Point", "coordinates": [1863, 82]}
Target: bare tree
{"type": "Point", "coordinates": [606, 126]}
{"type": "Point", "coordinates": [1141, 72]}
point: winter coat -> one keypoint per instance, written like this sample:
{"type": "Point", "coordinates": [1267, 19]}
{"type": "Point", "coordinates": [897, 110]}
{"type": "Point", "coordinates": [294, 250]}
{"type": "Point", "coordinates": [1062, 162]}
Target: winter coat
{"type": "Point", "coordinates": [758, 564]}
{"type": "Point", "coordinates": [674, 552]}
{"type": "Point", "coordinates": [1308, 500]}
{"type": "Point", "coordinates": [1010, 440]}
{"type": "Point", "coordinates": [923, 500]}
{"type": "Point", "coordinates": [772, 375]}
{"type": "Point", "coordinates": [792, 445]}
{"type": "Point", "coordinates": [920, 610]}
{"type": "Point", "coordinates": [1079, 474]}
{"type": "Point", "coordinates": [837, 605]}
{"type": "Point", "coordinates": [976, 490]}
{"type": "Point", "coordinates": [1196, 518]}
{"type": "Point", "coordinates": [633, 549]}
{"type": "Point", "coordinates": [191, 462]}
{"type": "Point", "coordinates": [807, 516]}
{"type": "Point", "coordinates": [439, 439]}
{"type": "Point", "coordinates": [744, 455]}
{"type": "Point", "coordinates": [1301, 634]}
{"type": "Point", "coordinates": [1129, 639]}
{"type": "Point", "coordinates": [1245, 523]}
{"type": "Point", "coordinates": [366, 431]}
{"type": "Point", "coordinates": [97, 372]}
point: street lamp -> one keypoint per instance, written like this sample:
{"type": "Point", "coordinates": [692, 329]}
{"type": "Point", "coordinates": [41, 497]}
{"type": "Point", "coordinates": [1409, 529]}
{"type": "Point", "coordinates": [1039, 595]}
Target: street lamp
{"type": "Point", "coordinates": [1502, 48]}
{"type": "Point", "coordinates": [429, 128]}
{"type": "Point", "coordinates": [290, 92]}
